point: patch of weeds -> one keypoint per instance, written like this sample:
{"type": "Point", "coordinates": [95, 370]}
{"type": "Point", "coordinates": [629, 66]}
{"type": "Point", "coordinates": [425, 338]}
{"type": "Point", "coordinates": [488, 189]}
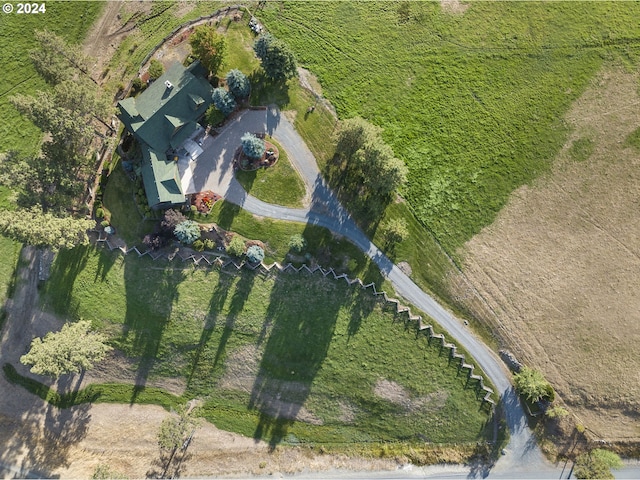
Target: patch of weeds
{"type": "Point", "coordinates": [581, 149]}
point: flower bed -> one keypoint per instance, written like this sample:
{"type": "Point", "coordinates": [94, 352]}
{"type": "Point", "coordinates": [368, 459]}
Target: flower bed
{"type": "Point", "coordinates": [204, 201]}
{"type": "Point", "coordinates": [268, 159]}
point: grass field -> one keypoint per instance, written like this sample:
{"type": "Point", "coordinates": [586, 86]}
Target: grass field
{"type": "Point", "coordinates": [264, 351]}
{"type": "Point", "coordinates": [471, 102]}
{"type": "Point", "coordinates": [71, 20]}
{"type": "Point", "coordinates": [280, 184]}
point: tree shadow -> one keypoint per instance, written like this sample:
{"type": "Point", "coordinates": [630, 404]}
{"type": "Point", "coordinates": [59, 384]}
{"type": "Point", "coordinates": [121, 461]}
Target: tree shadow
{"type": "Point", "coordinates": [297, 342]}
{"type": "Point", "coordinates": [241, 293]}
{"type": "Point", "coordinates": [150, 295]}
{"type": "Point", "coordinates": [265, 91]}
{"type": "Point", "coordinates": [228, 212]}
{"type": "Point", "coordinates": [64, 271]}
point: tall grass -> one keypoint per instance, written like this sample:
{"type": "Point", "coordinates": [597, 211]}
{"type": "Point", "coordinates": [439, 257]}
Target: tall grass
{"type": "Point", "coordinates": [473, 103]}
{"type": "Point", "coordinates": [71, 20]}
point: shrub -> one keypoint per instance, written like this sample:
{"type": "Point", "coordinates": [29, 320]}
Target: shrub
{"type": "Point", "coordinates": [223, 101]}
{"type": "Point", "coordinates": [255, 254]}
{"type": "Point", "coordinates": [104, 223]}
{"type": "Point", "coordinates": [171, 219]}
{"type": "Point", "coordinates": [209, 244]}
{"type": "Point", "coordinates": [154, 241]}
{"type": "Point", "coordinates": [252, 146]}
{"type": "Point", "coordinates": [236, 246]}
{"type": "Point", "coordinates": [187, 232]}
{"type": "Point", "coordinates": [137, 83]}
{"type": "Point", "coordinates": [214, 116]}
{"type": "Point", "coordinates": [297, 243]}
{"type": "Point", "coordinates": [198, 245]}
{"type": "Point", "coordinates": [99, 212]}
{"type": "Point", "coordinates": [533, 386]}
{"type": "Point", "coordinates": [155, 69]}
{"type": "Point", "coordinates": [238, 84]}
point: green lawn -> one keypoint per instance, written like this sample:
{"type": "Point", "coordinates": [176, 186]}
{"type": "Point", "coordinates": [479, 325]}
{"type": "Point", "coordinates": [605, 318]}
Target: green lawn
{"type": "Point", "coordinates": [473, 103]}
{"type": "Point", "coordinates": [241, 340]}
{"type": "Point", "coordinates": [71, 20]}
{"type": "Point", "coordinates": [280, 184]}
{"type": "Point", "coordinates": [10, 252]}
{"type": "Point", "coordinates": [120, 204]}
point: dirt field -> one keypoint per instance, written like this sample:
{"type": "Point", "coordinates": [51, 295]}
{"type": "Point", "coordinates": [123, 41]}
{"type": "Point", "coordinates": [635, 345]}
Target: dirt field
{"type": "Point", "coordinates": [558, 271]}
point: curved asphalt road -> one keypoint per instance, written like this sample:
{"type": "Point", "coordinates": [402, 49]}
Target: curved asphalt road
{"type": "Point", "coordinates": [522, 453]}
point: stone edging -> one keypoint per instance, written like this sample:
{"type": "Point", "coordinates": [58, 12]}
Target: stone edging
{"type": "Point", "coordinates": [201, 259]}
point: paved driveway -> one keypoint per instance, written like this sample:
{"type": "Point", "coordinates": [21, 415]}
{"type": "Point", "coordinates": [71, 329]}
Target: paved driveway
{"type": "Point", "coordinates": [215, 172]}
{"type": "Point", "coordinates": [213, 169]}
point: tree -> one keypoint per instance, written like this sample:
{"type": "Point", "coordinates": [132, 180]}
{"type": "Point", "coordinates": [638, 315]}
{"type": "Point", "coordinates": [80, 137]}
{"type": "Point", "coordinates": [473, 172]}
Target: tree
{"type": "Point", "coordinates": [533, 385]}
{"type": "Point", "coordinates": [365, 168]}
{"type": "Point", "coordinates": [55, 60]}
{"type": "Point", "coordinates": [44, 229]}
{"type": "Point", "coordinates": [297, 243]}
{"type": "Point", "coordinates": [171, 219]}
{"type": "Point", "coordinates": [238, 84]}
{"type": "Point", "coordinates": [187, 232]}
{"type": "Point", "coordinates": [223, 101]}
{"type": "Point", "coordinates": [277, 60]}
{"type": "Point", "coordinates": [596, 463]}
{"type": "Point", "coordinates": [352, 134]}
{"type": "Point", "coordinates": [236, 246]}
{"type": "Point", "coordinates": [395, 231]}
{"type": "Point", "coordinates": [255, 254]}
{"type": "Point", "coordinates": [156, 69]}
{"type": "Point", "coordinates": [176, 430]}
{"type": "Point", "coordinates": [72, 349]}
{"type": "Point", "coordinates": [213, 115]}
{"type": "Point", "coordinates": [252, 146]}
{"type": "Point", "coordinates": [209, 47]}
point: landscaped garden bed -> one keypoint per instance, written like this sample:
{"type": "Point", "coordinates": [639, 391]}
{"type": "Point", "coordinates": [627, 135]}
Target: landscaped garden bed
{"type": "Point", "coordinates": [204, 201]}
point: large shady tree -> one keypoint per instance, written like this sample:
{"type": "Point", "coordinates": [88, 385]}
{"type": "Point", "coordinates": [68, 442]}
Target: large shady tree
{"type": "Point", "coordinates": [71, 350]}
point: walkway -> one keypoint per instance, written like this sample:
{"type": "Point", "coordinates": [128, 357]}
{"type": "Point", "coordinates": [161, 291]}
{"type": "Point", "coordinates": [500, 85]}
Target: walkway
{"type": "Point", "coordinates": [522, 453]}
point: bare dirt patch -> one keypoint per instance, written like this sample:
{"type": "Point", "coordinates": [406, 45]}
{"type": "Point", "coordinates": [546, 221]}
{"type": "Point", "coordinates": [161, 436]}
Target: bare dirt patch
{"type": "Point", "coordinates": [242, 374]}
{"type": "Point", "coordinates": [398, 395]}
{"type": "Point", "coordinates": [455, 7]}
{"type": "Point", "coordinates": [557, 273]}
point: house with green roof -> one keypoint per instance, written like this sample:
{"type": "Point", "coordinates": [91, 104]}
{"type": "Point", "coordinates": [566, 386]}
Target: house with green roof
{"type": "Point", "coordinates": [162, 119]}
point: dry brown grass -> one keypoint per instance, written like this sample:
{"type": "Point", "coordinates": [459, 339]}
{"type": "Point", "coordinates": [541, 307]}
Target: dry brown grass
{"type": "Point", "coordinates": [557, 273]}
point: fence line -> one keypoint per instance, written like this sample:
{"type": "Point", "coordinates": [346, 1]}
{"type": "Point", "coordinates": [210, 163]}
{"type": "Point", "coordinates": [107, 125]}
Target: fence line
{"type": "Point", "coordinates": [222, 261]}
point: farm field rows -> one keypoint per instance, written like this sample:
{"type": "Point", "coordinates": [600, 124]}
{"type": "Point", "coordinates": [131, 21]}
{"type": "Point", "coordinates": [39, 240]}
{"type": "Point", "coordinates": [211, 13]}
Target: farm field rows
{"type": "Point", "coordinates": [286, 346]}
{"type": "Point", "coordinates": [472, 101]}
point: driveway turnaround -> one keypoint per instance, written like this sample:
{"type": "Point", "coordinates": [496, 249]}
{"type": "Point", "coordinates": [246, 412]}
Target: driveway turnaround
{"type": "Point", "coordinates": [215, 172]}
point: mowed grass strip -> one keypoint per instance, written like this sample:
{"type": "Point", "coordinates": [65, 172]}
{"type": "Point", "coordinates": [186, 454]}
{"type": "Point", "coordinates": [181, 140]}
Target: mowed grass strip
{"type": "Point", "coordinates": [286, 358]}
{"type": "Point", "coordinates": [279, 184]}
{"type": "Point", "coordinates": [71, 20]}
{"type": "Point", "coordinates": [471, 102]}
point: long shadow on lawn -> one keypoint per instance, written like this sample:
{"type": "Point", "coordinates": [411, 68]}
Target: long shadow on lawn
{"type": "Point", "coordinates": [297, 340]}
{"type": "Point", "coordinates": [151, 292]}
{"type": "Point", "coordinates": [64, 271]}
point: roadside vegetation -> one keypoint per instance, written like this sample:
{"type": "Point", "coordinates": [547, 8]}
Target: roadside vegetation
{"type": "Point", "coordinates": [265, 351]}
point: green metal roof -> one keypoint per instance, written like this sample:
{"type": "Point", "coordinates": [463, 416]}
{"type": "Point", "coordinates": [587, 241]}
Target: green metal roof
{"type": "Point", "coordinates": [161, 179]}
{"type": "Point", "coordinates": [160, 113]}
{"type": "Point", "coordinates": [164, 116]}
